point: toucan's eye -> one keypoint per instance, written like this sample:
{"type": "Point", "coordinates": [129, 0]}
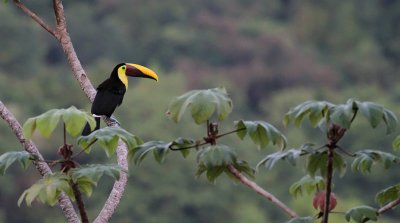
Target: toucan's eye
{"type": "Point", "coordinates": [123, 68]}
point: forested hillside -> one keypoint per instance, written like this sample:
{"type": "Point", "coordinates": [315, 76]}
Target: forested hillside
{"type": "Point", "coordinates": [269, 55]}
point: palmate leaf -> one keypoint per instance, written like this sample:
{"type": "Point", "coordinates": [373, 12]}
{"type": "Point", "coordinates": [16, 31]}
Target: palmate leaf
{"type": "Point", "coordinates": [160, 150]}
{"type": "Point", "coordinates": [315, 110]}
{"type": "Point", "coordinates": [108, 138]}
{"type": "Point", "coordinates": [45, 123]}
{"type": "Point", "coordinates": [47, 190]}
{"type": "Point", "coordinates": [291, 156]}
{"type": "Point", "coordinates": [307, 184]}
{"type": "Point", "coordinates": [387, 195]}
{"type": "Point", "coordinates": [321, 112]}
{"type": "Point", "coordinates": [365, 158]}
{"type": "Point", "coordinates": [343, 114]}
{"type": "Point", "coordinates": [88, 176]}
{"type": "Point", "coordinates": [317, 162]}
{"type": "Point", "coordinates": [261, 133]}
{"type": "Point", "coordinates": [216, 155]}
{"type": "Point", "coordinates": [8, 158]}
{"type": "Point", "coordinates": [308, 219]}
{"type": "Point", "coordinates": [203, 104]}
{"type": "Point", "coordinates": [213, 160]}
{"type": "Point", "coordinates": [359, 214]}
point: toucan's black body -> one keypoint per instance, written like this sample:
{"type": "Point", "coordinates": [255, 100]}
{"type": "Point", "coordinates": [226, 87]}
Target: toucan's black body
{"type": "Point", "coordinates": [110, 93]}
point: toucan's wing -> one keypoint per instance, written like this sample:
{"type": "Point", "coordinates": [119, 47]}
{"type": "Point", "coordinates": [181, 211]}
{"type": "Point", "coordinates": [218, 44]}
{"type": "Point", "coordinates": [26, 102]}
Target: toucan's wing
{"type": "Point", "coordinates": [109, 96]}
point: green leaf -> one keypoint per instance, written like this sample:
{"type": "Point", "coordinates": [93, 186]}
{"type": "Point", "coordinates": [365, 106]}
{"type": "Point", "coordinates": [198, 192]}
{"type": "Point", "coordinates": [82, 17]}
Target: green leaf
{"type": "Point", "coordinates": [203, 105]}
{"type": "Point", "coordinates": [160, 150]}
{"type": "Point", "coordinates": [47, 122]}
{"type": "Point", "coordinates": [9, 158]}
{"type": "Point", "coordinates": [73, 119]}
{"type": "Point", "coordinates": [182, 145]}
{"type": "Point", "coordinates": [317, 162]}
{"type": "Point", "coordinates": [88, 176]}
{"type": "Point", "coordinates": [291, 156]}
{"type": "Point", "coordinates": [396, 143]}
{"type": "Point", "coordinates": [390, 120]}
{"type": "Point", "coordinates": [315, 110]}
{"type": "Point", "coordinates": [343, 114]}
{"type": "Point", "coordinates": [365, 158]}
{"type": "Point", "coordinates": [307, 184]}
{"type": "Point", "coordinates": [214, 159]}
{"type": "Point", "coordinates": [359, 214]}
{"type": "Point", "coordinates": [261, 133]}
{"type": "Point", "coordinates": [308, 219]}
{"type": "Point", "coordinates": [107, 138]}
{"type": "Point", "coordinates": [216, 155]}
{"type": "Point", "coordinates": [387, 195]}
{"type": "Point", "coordinates": [47, 190]}
{"type": "Point", "coordinates": [243, 167]}
{"type": "Point", "coordinates": [372, 111]}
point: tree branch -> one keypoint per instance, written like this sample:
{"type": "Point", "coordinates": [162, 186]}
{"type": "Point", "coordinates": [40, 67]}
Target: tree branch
{"type": "Point", "coordinates": [42, 167]}
{"type": "Point", "coordinates": [35, 17]}
{"type": "Point", "coordinates": [389, 206]}
{"type": "Point", "coordinates": [252, 185]}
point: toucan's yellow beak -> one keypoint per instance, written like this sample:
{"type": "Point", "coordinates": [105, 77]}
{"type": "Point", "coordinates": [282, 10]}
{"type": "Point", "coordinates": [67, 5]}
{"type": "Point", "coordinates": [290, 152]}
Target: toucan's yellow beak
{"type": "Point", "coordinates": [136, 70]}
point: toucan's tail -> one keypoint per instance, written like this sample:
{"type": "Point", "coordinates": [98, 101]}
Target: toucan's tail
{"type": "Point", "coordinates": [86, 131]}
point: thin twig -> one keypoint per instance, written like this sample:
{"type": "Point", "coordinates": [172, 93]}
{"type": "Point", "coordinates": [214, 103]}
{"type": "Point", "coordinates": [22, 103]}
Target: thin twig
{"type": "Point", "coordinates": [35, 17]}
{"type": "Point", "coordinates": [252, 185]}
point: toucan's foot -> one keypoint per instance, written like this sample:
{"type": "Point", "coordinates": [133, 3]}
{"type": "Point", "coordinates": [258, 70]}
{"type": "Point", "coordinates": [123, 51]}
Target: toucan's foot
{"type": "Point", "coordinates": [114, 120]}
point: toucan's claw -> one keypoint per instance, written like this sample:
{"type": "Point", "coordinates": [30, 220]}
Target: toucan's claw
{"type": "Point", "coordinates": [114, 120]}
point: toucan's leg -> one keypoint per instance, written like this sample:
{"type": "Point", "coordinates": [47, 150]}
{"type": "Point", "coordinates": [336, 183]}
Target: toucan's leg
{"type": "Point", "coordinates": [86, 130]}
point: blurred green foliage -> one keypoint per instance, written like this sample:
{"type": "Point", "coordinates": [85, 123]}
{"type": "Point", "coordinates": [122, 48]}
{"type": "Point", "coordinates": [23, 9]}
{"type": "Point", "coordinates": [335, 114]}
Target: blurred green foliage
{"type": "Point", "coordinates": [270, 55]}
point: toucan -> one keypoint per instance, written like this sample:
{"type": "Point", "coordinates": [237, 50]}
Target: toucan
{"type": "Point", "coordinates": [111, 92]}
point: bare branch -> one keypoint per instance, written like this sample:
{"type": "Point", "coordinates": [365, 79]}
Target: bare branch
{"type": "Point", "coordinates": [42, 167]}
{"type": "Point", "coordinates": [35, 17]}
{"type": "Point", "coordinates": [389, 206]}
{"type": "Point", "coordinates": [252, 185]}
{"type": "Point", "coordinates": [66, 44]}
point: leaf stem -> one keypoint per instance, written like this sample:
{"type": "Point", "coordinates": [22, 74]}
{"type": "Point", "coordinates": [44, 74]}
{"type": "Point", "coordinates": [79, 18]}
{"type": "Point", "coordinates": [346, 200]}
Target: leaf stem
{"type": "Point", "coordinates": [84, 149]}
{"type": "Point", "coordinates": [345, 152]}
{"type": "Point", "coordinates": [188, 147]}
{"type": "Point", "coordinates": [230, 132]}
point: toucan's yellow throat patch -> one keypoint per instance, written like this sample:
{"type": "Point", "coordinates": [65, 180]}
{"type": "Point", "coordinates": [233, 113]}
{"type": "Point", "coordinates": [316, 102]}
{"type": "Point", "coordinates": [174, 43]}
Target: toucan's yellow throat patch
{"type": "Point", "coordinates": [122, 75]}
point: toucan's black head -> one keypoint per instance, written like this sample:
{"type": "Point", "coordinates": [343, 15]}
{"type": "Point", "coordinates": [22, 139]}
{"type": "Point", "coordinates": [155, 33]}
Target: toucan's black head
{"type": "Point", "coordinates": [123, 70]}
